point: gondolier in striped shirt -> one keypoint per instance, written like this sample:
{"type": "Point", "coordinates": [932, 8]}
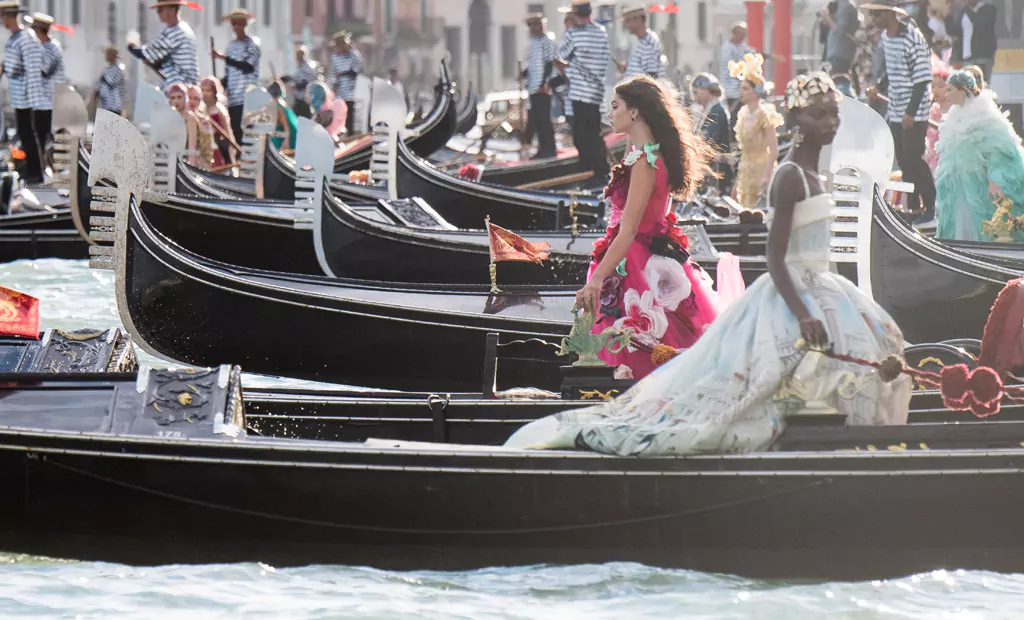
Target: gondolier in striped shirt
{"type": "Point", "coordinates": [173, 53]}
{"type": "Point", "coordinates": [540, 62]}
{"type": "Point", "coordinates": [646, 58]}
{"type": "Point", "coordinates": [53, 72]}
{"type": "Point", "coordinates": [346, 65]}
{"type": "Point", "coordinates": [305, 75]}
{"type": "Point", "coordinates": [23, 65]}
{"type": "Point", "coordinates": [907, 77]}
{"type": "Point", "coordinates": [110, 88]}
{"type": "Point", "coordinates": [585, 54]}
{"type": "Point", "coordinates": [242, 58]}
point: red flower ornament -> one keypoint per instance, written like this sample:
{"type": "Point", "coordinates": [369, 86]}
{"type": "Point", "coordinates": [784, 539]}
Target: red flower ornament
{"type": "Point", "coordinates": [978, 390]}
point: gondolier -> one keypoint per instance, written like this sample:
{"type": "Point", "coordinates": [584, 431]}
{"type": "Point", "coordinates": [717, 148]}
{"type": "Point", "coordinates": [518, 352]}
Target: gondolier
{"type": "Point", "coordinates": [346, 65]}
{"type": "Point", "coordinates": [585, 53]}
{"type": "Point", "coordinates": [540, 59]}
{"type": "Point", "coordinates": [646, 58]}
{"type": "Point", "coordinates": [242, 58]}
{"type": "Point", "coordinates": [174, 51]}
{"type": "Point", "coordinates": [53, 72]}
{"type": "Point", "coordinates": [304, 75]}
{"type": "Point", "coordinates": [111, 85]}
{"type": "Point", "coordinates": [23, 65]}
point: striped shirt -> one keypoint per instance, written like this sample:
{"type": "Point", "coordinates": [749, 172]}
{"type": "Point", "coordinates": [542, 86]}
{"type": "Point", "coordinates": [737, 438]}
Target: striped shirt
{"type": "Point", "coordinates": [304, 76]}
{"type": "Point", "coordinates": [238, 79]}
{"type": "Point", "coordinates": [111, 88]}
{"type": "Point", "coordinates": [53, 71]}
{"type": "Point", "coordinates": [346, 67]}
{"type": "Point", "coordinates": [539, 57]}
{"type": "Point", "coordinates": [646, 57]}
{"type": "Point", "coordinates": [23, 63]}
{"type": "Point", "coordinates": [175, 53]}
{"type": "Point", "coordinates": [586, 51]}
{"type": "Point", "coordinates": [907, 62]}
{"type": "Point", "coordinates": [732, 51]}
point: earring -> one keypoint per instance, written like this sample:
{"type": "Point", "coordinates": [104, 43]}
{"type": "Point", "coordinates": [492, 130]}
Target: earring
{"type": "Point", "coordinates": [797, 137]}
{"type": "Point", "coordinates": [634, 117]}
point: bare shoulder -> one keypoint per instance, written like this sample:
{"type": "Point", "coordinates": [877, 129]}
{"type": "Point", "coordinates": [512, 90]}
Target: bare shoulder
{"type": "Point", "coordinates": [787, 186]}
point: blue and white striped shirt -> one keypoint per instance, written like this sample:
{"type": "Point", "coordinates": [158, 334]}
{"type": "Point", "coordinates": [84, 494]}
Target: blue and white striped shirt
{"type": "Point", "coordinates": [239, 80]}
{"type": "Point", "coordinates": [907, 63]}
{"type": "Point", "coordinates": [304, 76]}
{"type": "Point", "coordinates": [111, 88]}
{"type": "Point", "coordinates": [53, 71]}
{"type": "Point", "coordinates": [346, 68]}
{"type": "Point", "coordinates": [646, 57]}
{"type": "Point", "coordinates": [538, 55]}
{"type": "Point", "coordinates": [175, 53]}
{"type": "Point", "coordinates": [23, 62]}
{"type": "Point", "coordinates": [585, 48]}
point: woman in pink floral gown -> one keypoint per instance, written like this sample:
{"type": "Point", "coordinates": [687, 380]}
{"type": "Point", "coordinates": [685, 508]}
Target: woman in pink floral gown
{"type": "Point", "coordinates": [641, 276]}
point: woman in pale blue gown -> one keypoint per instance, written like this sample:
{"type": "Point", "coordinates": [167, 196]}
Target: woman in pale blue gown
{"type": "Point", "coordinates": [731, 391]}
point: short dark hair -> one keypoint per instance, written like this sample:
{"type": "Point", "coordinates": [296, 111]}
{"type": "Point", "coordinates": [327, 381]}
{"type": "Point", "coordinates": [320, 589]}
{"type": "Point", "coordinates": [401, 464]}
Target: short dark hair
{"type": "Point", "coordinates": [583, 10]}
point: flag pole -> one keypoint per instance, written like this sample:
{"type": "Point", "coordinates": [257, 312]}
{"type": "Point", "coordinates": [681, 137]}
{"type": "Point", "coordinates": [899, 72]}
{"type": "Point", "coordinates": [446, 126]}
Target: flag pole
{"type": "Point", "coordinates": [490, 247]}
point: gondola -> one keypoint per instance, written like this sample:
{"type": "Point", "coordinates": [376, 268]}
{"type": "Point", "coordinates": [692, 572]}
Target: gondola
{"type": "Point", "coordinates": [40, 234]}
{"type": "Point", "coordinates": [156, 467]}
{"type": "Point", "coordinates": [468, 114]}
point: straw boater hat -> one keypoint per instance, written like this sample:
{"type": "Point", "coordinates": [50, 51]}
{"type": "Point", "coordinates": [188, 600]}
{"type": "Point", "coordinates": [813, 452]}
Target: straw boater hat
{"type": "Point", "coordinates": [11, 7]}
{"type": "Point", "coordinates": [535, 17]}
{"type": "Point", "coordinates": [885, 5]}
{"type": "Point", "coordinates": [239, 14]}
{"type": "Point", "coordinates": [41, 20]}
{"type": "Point", "coordinates": [633, 12]}
{"type": "Point", "coordinates": [157, 5]}
{"type": "Point", "coordinates": [574, 7]}
{"type": "Point", "coordinates": [343, 35]}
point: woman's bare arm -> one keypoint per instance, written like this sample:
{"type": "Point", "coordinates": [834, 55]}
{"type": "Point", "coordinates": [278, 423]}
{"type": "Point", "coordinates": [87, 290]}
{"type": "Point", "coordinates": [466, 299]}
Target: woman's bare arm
{"type": "Point", "coordinates": [641, 185]}
{"type": "Point", "coordinates": [787, 190]}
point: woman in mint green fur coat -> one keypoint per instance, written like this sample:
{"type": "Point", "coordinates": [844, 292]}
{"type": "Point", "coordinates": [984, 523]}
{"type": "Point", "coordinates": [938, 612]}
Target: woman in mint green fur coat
{"type": "Point", "coordinates": [980, 160]}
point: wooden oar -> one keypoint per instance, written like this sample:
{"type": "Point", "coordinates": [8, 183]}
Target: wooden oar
{"type": "Point", "coordinates": [886, 100]}
{"type": "Point", "coordinates": [224, 167]}
{"type": "Point", "coordinates": [556, 181]}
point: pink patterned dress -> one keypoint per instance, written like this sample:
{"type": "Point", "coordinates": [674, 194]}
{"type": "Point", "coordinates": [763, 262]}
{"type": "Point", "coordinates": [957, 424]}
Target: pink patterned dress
{"type": "Point", "coordinates": [656, 291]}
{"type": "Point", "coordinates": [931, 156]}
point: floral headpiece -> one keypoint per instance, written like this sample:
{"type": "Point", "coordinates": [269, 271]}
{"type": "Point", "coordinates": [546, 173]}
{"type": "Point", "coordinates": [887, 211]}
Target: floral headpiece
{"type": "Point", "coordinates": [803, 88]}
{"type": "Point", "coordinates": [750, 68]}
{"type": "Point", "coordinates": [963, 80]}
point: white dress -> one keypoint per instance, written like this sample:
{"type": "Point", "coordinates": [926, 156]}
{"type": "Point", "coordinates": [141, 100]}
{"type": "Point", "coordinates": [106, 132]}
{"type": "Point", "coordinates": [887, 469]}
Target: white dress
{"type": "Point", "coordinates": [731, 391]}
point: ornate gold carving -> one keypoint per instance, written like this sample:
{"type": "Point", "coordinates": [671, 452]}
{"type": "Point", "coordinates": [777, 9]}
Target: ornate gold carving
{"type": "Point", "coordinates": [598, 394]}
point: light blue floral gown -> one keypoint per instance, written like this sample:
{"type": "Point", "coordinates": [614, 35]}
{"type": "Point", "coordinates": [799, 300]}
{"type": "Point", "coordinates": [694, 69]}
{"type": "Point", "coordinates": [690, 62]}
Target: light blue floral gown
{"type": "Point", "coordinates": [731, 391]}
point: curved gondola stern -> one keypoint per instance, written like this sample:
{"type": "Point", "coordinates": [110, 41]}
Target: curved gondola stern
{"type": "Point", "coordinates": [314, 162]}
{"type": "Point", "coordinates": [119, 155]}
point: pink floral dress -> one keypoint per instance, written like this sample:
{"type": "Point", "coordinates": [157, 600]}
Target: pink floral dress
{"type": "Point", "coordinates": [656, 291]}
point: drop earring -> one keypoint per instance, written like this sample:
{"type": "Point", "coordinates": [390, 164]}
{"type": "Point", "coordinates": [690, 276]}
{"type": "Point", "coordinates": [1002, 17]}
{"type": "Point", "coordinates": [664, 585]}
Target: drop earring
{"type": "Point", "coordinates": [797, 137]}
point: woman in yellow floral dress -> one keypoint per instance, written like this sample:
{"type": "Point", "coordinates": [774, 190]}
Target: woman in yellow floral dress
{"type": "Point", "coordinates": [755, 131]}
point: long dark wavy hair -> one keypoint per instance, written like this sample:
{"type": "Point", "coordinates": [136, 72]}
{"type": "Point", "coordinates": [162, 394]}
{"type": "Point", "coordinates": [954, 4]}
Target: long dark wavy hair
{"type": "Point", "coordinates": [687, 157]}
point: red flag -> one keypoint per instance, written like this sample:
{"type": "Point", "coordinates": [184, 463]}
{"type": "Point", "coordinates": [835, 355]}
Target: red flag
{"type": "Point", "coordinates": [62, 28]}
{"type": "Point", "coordinates": [19, 314]}
{"type": "Point", "coordinates": [506, 245]}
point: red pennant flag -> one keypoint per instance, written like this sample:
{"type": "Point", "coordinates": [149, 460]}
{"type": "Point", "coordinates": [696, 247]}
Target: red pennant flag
{"type": "Point", "coordinates": [671, 7]}
{"type": "Point", "coordinates": [506, 245]}
{"type": "Point", "coordinates": [19, 314]}
{"type": "Point", "coordinates": [655, 8]}
{"type": "Point", "coordinates": [195, 6]}
{"type": "Point", "coordinates": [62, 28]}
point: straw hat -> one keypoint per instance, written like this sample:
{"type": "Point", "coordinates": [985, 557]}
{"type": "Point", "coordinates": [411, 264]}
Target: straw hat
{"type": "Point", "coordinates": [239, 14]}
{"type": "Point", "coordinates": [11, 7]}
{"type": "Point", "coordinates": [535, 17]}
{"type": "Point", "coordinates": [633, 12]}
{"type": "Point", "coordinates": [40, 19]}
{"type": "Point", "coordinates": [343, 35]}
{"type": "Point", "coordinates": [885, 5]}
{"type": "Point", "coordinates": [157, 5]}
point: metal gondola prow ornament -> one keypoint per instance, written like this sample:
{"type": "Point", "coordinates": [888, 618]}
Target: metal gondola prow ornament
{"type": "Point", "coordinates": [167, 137]}
{"type": "Point", "coordinates": [314, 163]}
{"type": "Point", "coordinates": [70, 121]}
{"type": "Point", "coordinates": [861, 156]}
{"type": "Point", "coordinates": [259, 120]}
{"type": "Point", "coordinates": [388, 121]}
